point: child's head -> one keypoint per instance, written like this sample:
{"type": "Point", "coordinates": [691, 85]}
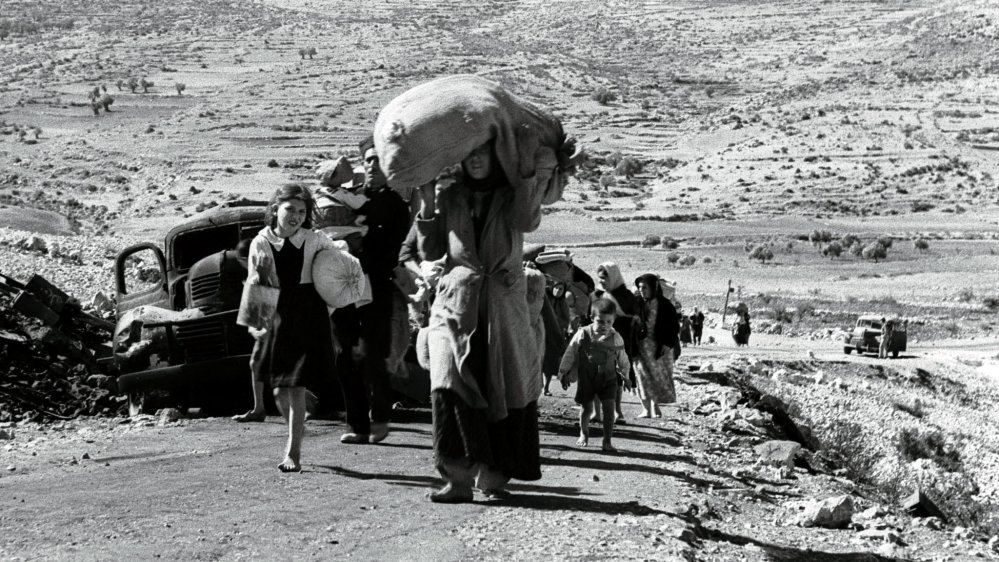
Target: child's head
{"type": "Point", "coordinates": [604, 311]}
{"type": "Point", "coordinates": [290, 208]}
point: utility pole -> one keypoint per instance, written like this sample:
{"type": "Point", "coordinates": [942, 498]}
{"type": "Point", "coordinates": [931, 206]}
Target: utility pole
{"type": "Point", "coordinates": [725, 310]}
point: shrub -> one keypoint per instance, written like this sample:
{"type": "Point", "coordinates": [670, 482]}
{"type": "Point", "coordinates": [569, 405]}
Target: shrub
{"type": "Point", "coordinates": [914, 444]}
{"type": "Point", "coordinates": [707, 259]}
{"type": "Point", "coordinates": [668, 243]}
{"type": "Point", "coordinates": [762, 253]}
{"type": "Point", "coordinates": [857, 248]}
{"type": "Point", "coordinates": [650, 241]}
{"type": "Point", "coordinates": [917, 410]}
{"type": "Point", "coordinates": [672, 257]}
{"type": "Point", "coordinates": [920, 244]}
{"type": "Point", "coordinates": [885, 241]}
{"type": "Point", "coordinates": [628, 167]}
{"type": "Point", "coordinates": [805, 310]}
{"type": "Point", "coordinates": [602, 95]}
{"type": "Point", "coordinates": [607, 180]}
{"type": "Point", "coordinates": [782, 314]}
{"type": "Point", "coordinates": [180, 87]}
{"type": "Point", "coordinates": [832, 249]}
{"type": "Point", "coordinates": [849, 240]}
{"type": "Point", "coordinates": [874, 251]}
{"type": "Point", "coordinates": [842, 445]}
{"type": "Point", "coordinates": [991, 303]}
{"type": "Point", "coordinates": [819, 236]}
{"type": "Point", "coordinates": [965, 294]}
{"type": "Point", "coordinates": [688, 261]}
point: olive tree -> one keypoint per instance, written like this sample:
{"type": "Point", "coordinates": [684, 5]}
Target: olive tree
{"type": "Point", "coordinates": [762, 253]}
{"type": "Point", "coordinates": [874, 251]}
{"type": "Point", "coordinates": [180, 86]}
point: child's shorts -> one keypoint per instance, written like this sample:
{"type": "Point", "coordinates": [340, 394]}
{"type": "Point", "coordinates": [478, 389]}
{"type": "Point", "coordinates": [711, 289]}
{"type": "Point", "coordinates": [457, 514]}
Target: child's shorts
{"type": "Point", "coordinates": [589, 388]}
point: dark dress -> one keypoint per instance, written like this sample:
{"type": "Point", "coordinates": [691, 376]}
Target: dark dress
{"type": "Point", "coordinates": [298, 348]}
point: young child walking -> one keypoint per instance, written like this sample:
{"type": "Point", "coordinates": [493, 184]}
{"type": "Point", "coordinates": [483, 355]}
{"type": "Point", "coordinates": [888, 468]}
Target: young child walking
{"type": "Point", "coordinates": [596, 361]}
{"type": "Point", "coordinates": [293, 335]}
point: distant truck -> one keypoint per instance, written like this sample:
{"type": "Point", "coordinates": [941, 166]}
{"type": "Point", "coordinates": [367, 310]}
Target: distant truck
{"type": "Point", "coordinates": [201, 359]}
{"type": "Point", "coordinates": [866, 336]}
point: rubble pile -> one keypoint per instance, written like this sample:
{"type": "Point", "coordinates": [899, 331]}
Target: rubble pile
{"type": "Point", "coordinates": [50, 362]}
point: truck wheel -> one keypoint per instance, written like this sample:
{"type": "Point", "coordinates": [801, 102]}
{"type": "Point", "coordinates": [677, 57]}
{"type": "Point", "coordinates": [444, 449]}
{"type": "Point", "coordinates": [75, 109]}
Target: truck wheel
{"type": "Point", "coordinates": [139, 403]}
{"type": "Point", "coordinates": [894, 354]}
{"type": "Point", "coordinates": [847, 350]}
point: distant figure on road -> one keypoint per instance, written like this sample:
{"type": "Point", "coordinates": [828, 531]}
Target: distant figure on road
{"type": "Point", "coordinates": [685, 330]}
{"type": "Point", "coordinates": [742, 328]}
{"type": "Point", "coordinates": [887, 331]}
{"type": "Point", "coordinates": [697, 325]}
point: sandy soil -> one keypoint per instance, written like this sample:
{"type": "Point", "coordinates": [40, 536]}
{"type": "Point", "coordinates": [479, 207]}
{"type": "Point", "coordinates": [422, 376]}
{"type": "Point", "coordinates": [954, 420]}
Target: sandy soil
{"type": "Point", "coordinates": [755, 123]}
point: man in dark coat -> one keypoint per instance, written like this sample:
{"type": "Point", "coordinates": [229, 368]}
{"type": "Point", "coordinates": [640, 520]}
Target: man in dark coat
{"type": "Point", "coordinates": [387, 218]}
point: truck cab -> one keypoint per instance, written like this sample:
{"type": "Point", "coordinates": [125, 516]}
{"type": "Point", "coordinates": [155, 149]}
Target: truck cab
{"type": "Point", "coordinates": [201, 357]}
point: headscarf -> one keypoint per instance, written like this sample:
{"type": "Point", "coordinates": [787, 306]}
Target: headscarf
{"type": "Point", "coordinates": [614, 278]}
{"type": "Point", "coordinates": [652, 280]}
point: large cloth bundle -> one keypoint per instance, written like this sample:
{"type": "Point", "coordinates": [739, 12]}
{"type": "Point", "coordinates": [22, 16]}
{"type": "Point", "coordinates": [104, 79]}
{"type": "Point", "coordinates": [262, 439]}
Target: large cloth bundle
{"type": "Point", "coordinates": [338, 278]}
{"type": "Point", "coordinates": [439, 123]}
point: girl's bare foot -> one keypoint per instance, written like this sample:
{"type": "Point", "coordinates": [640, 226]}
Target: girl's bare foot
{"type": "Point", "coordinates": [290, 465]}
{"type": "Point", "coordinates": [451, 494]}
{"type": "Point", "coordinates": [250, 416]}
{"type": "Point", "coordinates": [583, 441]}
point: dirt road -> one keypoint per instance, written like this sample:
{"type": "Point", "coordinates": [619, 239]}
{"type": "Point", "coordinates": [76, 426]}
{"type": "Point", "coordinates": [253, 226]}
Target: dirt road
{"type": "Point", "coordinates": [209, 489]}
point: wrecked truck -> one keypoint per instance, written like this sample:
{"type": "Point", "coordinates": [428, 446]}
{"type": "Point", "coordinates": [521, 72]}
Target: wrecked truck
{"type": "Point", "coordinates": [176, 342]}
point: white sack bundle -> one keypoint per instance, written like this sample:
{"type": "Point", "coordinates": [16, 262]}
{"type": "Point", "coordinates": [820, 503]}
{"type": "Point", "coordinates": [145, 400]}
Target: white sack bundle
{"type": "Point", "coordinates": [338, 278]}
{"type": "Point", "coordinates": [437, 124]}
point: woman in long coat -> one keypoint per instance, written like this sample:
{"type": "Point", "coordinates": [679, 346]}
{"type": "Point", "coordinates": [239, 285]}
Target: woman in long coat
{"type": "Point", "coordinates": [484, 382]}
{"type": "Point", "coordinates": [654, 364]}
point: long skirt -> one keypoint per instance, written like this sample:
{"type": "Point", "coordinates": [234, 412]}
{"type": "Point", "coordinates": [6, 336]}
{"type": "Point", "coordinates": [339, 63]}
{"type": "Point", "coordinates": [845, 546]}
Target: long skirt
{"type": "Point", "coordinates": [655, 376]}
{"type": "Point", "coordinates": [462, 433]}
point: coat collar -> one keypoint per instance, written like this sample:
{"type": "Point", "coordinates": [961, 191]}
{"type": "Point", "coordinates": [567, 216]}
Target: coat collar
{"type": "Point", "coordinates": [296, 239]}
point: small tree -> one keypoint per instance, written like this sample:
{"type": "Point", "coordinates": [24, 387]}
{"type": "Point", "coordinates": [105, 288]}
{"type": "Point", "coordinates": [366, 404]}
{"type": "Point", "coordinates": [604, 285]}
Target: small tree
{"type": "Point", "coordinates": [668, 243]}
{"type": "Point", "coordinates": [180, 87]}
{"type": "Point", "coordinates": [849, 240]}
{"type": "Point", "coordinates": [146, 84]}
{"type": "Point", "coordinates": [672, 257]}
{"type": "Point", "coordinates": [95, 93]}
{"type": "Point", "coordinates": [920, 244]}
{"type": "Point", "coordinates": [602, 95]}
{"type": "Point", "coordinates": [688, 261]}
{"type": "Point", "coordinates": [311, 52]}
{"type": "Point", "coordinates": [762, 253]}
{"type": "Point", "coordinates": [628, 167]}
{"type": "Point", "coordinates": [832, 249]}
{"type": "Point", "coordinates": [650, 241]}
{"type": "Point", "coordinates": [121, 85]}
{"type": "Point", "coordinates": [302, 52]}
{"type": "Point", "coordinates": [133, 84]}
{"type": "Point", "coordinates": [607, 180]}
{"type": "Point", "coordinates": [874, 251]}
{"type": "Point", "coordinates": [96, 106]}
{"type": "Point", "coordinates": [885, 241]}
{"type": "Point", "coordinates": [857, 248]}
{"type": "Point", "coordinates": [106, 101]}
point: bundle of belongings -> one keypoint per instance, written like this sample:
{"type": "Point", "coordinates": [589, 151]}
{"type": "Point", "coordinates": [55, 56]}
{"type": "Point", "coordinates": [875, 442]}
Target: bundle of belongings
{"type": "Point", "coordinates": [337, 202]}
{"type": "Point", "coordinates": [437, 124]}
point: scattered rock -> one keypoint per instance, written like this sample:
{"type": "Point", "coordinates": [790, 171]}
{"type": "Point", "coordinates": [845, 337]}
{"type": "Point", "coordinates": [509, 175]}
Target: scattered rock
{"type": "Point", "coordinates": [994, 543]}
{"type": "Point", "coordinates": [883, 535]}
{"type": "Point", "coordinates": [168, 415]}
{"type": "Point", "coordinates": [6, 434]}
{"type": "Point", "coordinates": [831, 513]}
{"type": "Point", "coordinates": [729, 397]}
{"type": "Point", "coordinates": [918, 505]}
{"type": "Point", "coordinates": [101, 304]}
{"type": "Point", "coordinates": [34, 243]}
{"type": "Point", "coordinates": [778, 453]}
